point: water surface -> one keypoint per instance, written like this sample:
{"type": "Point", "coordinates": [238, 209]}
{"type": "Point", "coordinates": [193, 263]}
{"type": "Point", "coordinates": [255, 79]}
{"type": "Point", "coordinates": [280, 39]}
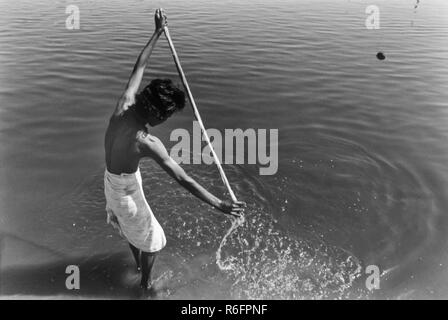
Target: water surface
{"type": "Point", "coordinates": [363, 148]}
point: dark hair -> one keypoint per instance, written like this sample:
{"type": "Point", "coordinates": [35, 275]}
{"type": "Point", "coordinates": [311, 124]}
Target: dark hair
{"type": "Point", "coordinates": [161, 98]}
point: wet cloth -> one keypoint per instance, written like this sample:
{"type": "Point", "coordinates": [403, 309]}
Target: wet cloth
{"type": "Point", "coordinates": [128, 211]}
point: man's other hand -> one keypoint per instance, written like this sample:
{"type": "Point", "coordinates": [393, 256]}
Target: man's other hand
{"type": "Point", "coordinates": [235, 209]}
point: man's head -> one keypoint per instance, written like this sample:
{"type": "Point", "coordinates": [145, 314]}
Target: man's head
{"type": "Point", "coordinates": [158, 101]}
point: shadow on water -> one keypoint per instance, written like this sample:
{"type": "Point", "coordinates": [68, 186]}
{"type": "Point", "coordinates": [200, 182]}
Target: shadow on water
{"type": "Point", "coordinates": [32, 271]}
{"type": "Point", "coordinates": [42, 273]}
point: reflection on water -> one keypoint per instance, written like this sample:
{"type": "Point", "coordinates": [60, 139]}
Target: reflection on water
{"type": "Point", "coordinates": [362, 175]}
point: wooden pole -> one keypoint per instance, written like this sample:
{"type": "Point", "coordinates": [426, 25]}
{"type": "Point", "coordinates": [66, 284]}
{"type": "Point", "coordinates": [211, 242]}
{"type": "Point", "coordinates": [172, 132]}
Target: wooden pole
{"type": "Point", "coordinates": [197, 115]}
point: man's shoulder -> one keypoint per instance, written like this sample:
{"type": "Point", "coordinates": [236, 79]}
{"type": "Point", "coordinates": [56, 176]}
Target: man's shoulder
{"type": "Point", "coordinates": [151, 146]}
{"type": "Point", "coordinates": [149, 141]}
{"type": "Point", "coordinates": [123, 103]}
{"type": "Point", "coordinates": [145, 136]}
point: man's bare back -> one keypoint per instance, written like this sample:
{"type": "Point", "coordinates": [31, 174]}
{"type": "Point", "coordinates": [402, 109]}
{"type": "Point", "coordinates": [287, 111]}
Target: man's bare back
{"type": "Point", "coordinates": [121, 146]}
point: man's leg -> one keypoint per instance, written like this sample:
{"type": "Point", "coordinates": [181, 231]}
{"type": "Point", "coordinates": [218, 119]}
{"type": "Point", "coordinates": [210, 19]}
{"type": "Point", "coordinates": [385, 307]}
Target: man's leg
{"type": "Point", "coordinates": [136, 253]}
{"type": "Point", "coordinates": [147, 259]}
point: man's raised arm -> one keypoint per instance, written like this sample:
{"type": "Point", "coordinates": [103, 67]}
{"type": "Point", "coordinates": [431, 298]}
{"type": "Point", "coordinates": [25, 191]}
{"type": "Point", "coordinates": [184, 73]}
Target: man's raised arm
{"type": "Point", "coordinates": [128, 97]}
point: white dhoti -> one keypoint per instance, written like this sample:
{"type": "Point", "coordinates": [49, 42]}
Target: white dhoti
{"type": "Point", "coordinates": [128, 211]}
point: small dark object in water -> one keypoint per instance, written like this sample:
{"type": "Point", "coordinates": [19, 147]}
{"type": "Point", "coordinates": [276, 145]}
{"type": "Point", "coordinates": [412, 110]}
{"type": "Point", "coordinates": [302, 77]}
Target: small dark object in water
{"type": "Point", "coordinates": [416, 4]}
{"type": "Point", "coordinates": [380, 56]}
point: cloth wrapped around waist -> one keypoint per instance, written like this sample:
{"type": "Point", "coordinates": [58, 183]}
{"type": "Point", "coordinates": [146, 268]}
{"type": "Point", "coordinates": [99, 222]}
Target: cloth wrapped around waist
{"type": "Point", "coordinates": [128, 211]}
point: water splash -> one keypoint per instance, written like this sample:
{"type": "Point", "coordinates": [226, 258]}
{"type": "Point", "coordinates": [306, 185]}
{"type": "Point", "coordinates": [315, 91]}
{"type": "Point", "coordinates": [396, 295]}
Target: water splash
{"type": "Point", "coordinates": [227, 265]}
{"type": "Point", "coordinates": [264, 262]}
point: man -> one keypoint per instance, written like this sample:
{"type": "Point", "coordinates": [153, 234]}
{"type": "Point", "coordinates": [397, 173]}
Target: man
{"type": "Point", "coordinates": [127, 141]}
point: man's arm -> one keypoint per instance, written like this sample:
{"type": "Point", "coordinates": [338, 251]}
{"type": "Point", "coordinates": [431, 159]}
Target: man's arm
{"type": "Point", "coordinates": [128, 97]}
{"type": "Point", "coordinates": [154, 148]}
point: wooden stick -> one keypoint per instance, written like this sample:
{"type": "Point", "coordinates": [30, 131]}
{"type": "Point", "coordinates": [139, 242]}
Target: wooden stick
{"type": "Point", "coordinates": [196, 113]}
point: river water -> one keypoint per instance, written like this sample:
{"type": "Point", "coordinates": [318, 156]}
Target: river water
{"type": "Point", "coordinates": [362, 147]}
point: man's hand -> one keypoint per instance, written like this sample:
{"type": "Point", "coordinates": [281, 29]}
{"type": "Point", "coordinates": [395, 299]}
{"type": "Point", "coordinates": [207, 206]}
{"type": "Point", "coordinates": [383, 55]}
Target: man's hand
{"type": "Point", "coordinates": [160, 20]}
{"type": "Point", "coordinates": [235, 209]}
